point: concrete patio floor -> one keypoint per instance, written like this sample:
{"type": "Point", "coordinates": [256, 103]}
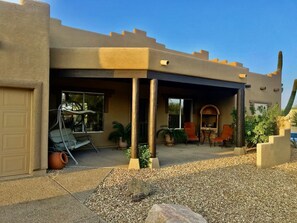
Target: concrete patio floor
{"type": "Point", "coordinates": [180, 153]}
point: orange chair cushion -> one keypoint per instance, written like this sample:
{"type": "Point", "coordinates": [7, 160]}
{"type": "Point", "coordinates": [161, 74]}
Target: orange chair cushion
{"type": "Point", "coordinates": [227, 134]}
{"type": "Point", "coordinates": [189, 128]}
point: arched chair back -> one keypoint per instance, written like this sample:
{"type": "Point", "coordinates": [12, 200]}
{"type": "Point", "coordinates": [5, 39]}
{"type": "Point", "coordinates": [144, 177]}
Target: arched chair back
{"type": "Point", "coordinates": [225, 136]}
{"type": "Point", "coordinates": [190, 130]}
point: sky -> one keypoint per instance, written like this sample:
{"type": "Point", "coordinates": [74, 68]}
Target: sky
{"type": "Point", "coordinates": [251, 32]}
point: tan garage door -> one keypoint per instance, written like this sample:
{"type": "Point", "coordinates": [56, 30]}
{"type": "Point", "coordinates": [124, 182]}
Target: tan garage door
{"type": "Point", "coordinates": [15, 131]}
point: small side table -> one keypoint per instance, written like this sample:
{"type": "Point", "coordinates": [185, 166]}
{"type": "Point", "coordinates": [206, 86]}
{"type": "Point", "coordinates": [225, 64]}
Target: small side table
{"type": "Point", "coordinates": [207, 133]}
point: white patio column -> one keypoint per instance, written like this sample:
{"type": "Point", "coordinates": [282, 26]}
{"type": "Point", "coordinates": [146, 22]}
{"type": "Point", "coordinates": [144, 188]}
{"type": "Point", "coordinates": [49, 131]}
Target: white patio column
{"type": "Point", "coordinates": [154, 161]}
{"type": "Point", "coordinates": [134, 161]}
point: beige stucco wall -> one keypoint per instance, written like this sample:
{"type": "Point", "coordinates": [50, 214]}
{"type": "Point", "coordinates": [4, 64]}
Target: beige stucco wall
{"type": "Point", "coordinates": [119, 110]}
{"type": "Point", "coordinates": [99, 58]}
{"type": "Point", "coordinates": [149, 59]}
{"type": "Point", "coordinates": [64, 36]}
{"type": "Point", "coordinates": [75, 48]}
{"type": "Point", "coordinates": [143, 58]}
{"type": "Point", "coordinates": [24, 62]}
{"type": "Point", "coordinates": [272, 93]}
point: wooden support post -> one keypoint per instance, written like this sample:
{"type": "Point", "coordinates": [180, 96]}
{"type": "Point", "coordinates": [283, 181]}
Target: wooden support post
{"type": "Point", "coordinates": [240, 140]}
{"type": "Point", "coordinates": [152, 123]}
{"type": "Point", "coordinates": [134, 161]}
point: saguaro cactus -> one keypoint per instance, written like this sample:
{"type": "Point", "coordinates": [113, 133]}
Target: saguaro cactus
{"type": "Point", "coordinates": [291, 99]}
{"type": "Point", "coordinates": [293, 93]}
{"type": "Point", "coordinates": [280, 62]}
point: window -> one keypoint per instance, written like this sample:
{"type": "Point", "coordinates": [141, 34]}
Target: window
{"type": "Point", "coordinates": [179, 111]}
{"type": "Point", "coordinates": [260, 107]}
{"type": "Point", "coordinates": [81, 101]}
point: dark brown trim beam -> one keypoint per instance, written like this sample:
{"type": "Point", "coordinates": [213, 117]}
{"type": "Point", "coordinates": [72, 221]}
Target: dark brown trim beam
{"type": "Point", "coordinates": [93, 73]}
{"type": "Point", "coordinates": [193, 80]}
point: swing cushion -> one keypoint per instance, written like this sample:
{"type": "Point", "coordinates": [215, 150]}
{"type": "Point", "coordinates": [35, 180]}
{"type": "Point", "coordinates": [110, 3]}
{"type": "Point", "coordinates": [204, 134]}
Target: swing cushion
{"type": "Point", "coordinates": [70, 140]}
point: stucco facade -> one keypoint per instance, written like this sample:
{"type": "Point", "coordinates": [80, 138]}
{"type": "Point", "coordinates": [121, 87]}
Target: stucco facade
{"type": "Point", "coordinates": [42, 55]}
{"type": "Point", "coordinates": [24, 64]}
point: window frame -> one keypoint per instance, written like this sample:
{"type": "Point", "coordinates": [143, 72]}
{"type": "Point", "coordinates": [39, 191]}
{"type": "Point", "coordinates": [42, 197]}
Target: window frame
{"type": "Point", "coordinates": [181, 110]}
{"type": "Point", "coordinates": [257, 104]}
{"type": "Point", "coordinates": [83, 93]}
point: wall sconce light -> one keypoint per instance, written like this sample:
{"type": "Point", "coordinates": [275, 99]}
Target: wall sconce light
{"type": "Point", "coordinates": [262, 88]}
{"type": "Point", "coordinates": [164, 62]}
{"type": "Point", "coordinates": [242, 75]}
{"type": "Point", "coordinates": [248, 86]}
{"type": "Point", "coordinates": [276, 89]}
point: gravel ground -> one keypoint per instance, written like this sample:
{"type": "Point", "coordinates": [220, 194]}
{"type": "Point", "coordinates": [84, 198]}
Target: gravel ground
{"type": "Point", "coordinates": [221, 190]}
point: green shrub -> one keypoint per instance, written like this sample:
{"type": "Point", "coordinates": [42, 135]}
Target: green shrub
{"type": "Point", "coordinates": [259, 127]}
{"type": "Point", "coordinates": [250, 124]}
{"type": "Point", "coordinates": [143, 155]}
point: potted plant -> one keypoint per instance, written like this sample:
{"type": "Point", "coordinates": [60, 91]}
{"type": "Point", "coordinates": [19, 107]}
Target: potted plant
{"type": "Point", "coordinates": [121, 134]}
{"type": "Point", "coordinates": [172, 135]}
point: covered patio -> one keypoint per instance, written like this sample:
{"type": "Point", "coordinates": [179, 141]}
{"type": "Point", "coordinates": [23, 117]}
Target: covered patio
{"type": "Point", "coordinates": [136, 84]}
{"type": "Point", "coordinates": [147, 106]}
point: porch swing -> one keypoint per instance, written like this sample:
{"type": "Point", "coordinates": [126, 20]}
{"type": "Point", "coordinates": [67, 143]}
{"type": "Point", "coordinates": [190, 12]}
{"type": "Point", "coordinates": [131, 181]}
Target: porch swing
{"type": "Point", "coordinates": [63, 138]}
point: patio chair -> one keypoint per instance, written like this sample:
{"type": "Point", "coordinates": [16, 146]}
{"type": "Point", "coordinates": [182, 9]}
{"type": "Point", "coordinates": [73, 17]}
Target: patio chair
{"type": "Point", "coordinates": [225, 136]}
{"type": "Point", "coordinates": [64, 140]}
{"type": "Point", "coordinates": [190, 130]}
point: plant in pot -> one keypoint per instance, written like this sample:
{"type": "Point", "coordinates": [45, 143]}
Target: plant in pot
{"type": "Point", "coordinates": [121, 134]}
{"type": "Point", "coordinates": [172, 135]}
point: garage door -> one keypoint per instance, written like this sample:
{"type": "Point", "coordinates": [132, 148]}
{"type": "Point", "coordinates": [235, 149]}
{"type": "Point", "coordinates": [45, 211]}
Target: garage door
{"type": "Point", "coordinates": [15, 131]}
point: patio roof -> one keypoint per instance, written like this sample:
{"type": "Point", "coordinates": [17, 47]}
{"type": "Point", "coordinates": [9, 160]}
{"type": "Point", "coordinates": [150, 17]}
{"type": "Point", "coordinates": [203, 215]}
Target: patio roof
{"type": "Point", "coordinates": [133, 62]}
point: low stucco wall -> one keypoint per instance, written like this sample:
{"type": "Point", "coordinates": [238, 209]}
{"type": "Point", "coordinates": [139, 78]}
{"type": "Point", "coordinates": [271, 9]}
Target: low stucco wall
{"type": "Point", "coordinates": [276, 151]}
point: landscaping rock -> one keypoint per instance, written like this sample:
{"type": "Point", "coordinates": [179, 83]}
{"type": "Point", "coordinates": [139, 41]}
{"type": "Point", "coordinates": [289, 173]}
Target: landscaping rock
{"type": "Point", "coordinates": [173, 213]}
{"type": "Point", "coordinates": [139, 189]}
{"type": "Point", "coordinates": [225, 190]}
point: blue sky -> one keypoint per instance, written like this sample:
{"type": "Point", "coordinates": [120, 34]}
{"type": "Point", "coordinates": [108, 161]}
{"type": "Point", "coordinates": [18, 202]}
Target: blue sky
{"type": "Point", "coordinates": [251, 32]}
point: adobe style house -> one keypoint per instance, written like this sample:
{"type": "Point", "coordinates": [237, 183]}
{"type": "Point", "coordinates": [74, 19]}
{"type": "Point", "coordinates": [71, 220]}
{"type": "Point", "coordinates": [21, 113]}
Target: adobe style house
{"type": "Point", "coordinates": [126, 77]}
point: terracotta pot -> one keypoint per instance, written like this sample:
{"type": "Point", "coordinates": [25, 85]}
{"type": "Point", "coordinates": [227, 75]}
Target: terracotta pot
{"type": "Point", "coordinates": [57, 160]}
{"type": "Point", "coordinates": [169, 141]}
{"type": "Point", "coordinates": [122, 144]}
